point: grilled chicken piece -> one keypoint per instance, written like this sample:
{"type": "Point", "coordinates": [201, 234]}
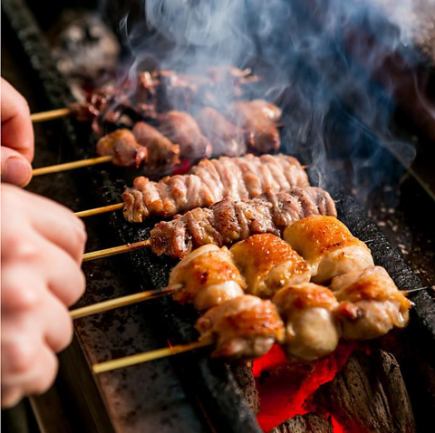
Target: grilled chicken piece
{"type": "Point", "coordinates": [268, 263]}
{"type": "Point", "coordinates": [123, 147]}
{"type": "Point", "coordinates": [207, 277]}
{"type": "Point", "coordinates": [210, 181]}
{"type": "Point", "coordinates": [243, 327]}
{"type": "Point", "coordinates": [370, 303]}
{"type": "Point", "coordinates": [310, 328]}
{"type": "Point", "coordinates": [162, 153]}
{"type": "Point", "coordinates": [257, 120]}
{"type": "Point", "coordinates": [181, 128]}
{"type": "Point", "coordinates": [227, 138]}
{"type": "Point", "coordinates": [328, 246]}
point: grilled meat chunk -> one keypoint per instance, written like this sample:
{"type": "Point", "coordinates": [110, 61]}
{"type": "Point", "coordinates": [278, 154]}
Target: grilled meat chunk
{"type": "Point", "coordinates": [310, 329]}
{"type": "Point", "coordinates": [226, 137]}
{"type": "Point", "coordinates": [230, 221]}
{"type": "Point", "coordinates": [328, 246]}
{"type": "Point", "coordinates": [208, 277]}
{"type": "Point", "coordinates": [268, 263]}
{"type": "Point", "coordinates": [209, 182]}
{"type": "Point", "coordinates": [242, 327]}
{"type": "Point", "coordinates": [181, 128]}
{"type": "Point", "coordinates": [370, 303]}
{"type": "Point", "coordinates": [258, 120]}
{"type": "Point", "coordinates": [123, 147]}
{"type": "Point", "coordinates": [162, 153]}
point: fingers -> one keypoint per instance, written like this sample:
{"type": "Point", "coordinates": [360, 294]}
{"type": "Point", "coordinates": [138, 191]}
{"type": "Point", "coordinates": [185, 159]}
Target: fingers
{"type": "Point", "coordinates": [26, 213]}
{"type": "Point", "coordinates": [28, 368]}
{"type": "Point", "coordinates": [60, 226]}
{"type": "Point", "coordinates": [14, 167]}
{"type": "Point", "coordinates": [57, 324]}
{"type": "Point", "coordinates": [17, 129]}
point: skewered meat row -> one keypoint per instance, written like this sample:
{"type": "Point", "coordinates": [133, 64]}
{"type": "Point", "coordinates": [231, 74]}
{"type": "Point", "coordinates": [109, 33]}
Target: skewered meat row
{"type": "Point", "coordinates": [180, 136]}
{"type": "Point", "coordinates": [122, 104]}
{"type": "Point", "coordinates": [230, 221]}
{"type": "Point", "coordinates": [370, 302]}
{"type": "Point", "coordinates": [359, 304]}
{"type": "Point", "coordinates": [209, 182]}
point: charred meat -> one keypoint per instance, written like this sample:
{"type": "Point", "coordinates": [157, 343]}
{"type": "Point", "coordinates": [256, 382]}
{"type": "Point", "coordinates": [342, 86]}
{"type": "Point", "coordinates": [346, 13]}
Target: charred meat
{"type": "Point", "coordinates": [209, 182]}
{"type": "Point", "coordinates": [230, 221]}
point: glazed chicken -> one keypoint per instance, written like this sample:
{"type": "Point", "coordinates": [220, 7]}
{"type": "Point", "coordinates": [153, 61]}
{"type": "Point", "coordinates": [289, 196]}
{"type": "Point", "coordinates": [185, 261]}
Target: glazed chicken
{"type": "Point", "coordinates": [181, 128]}
{"type": "Point", "coordinates": [328, 246]}
{"type": "Point", "coordinates": [268, 263]}
{"type": "Point", "coordinates": [258, 120]}
{"type": "Point", "coordinates": [310, 329]}
{"type": "Point", "coordinates": [208, 277]}
{"type": "Point", "coordinates": [370, 303]}
{"type": "Point", "coordinates": [242, 327]}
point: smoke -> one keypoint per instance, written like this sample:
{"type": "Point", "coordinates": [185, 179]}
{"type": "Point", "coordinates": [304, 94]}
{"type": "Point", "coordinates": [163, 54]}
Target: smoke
{"type": "Point", "coordinates": [322, 61]}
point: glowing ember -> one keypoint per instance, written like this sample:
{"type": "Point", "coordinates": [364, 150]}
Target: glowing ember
{"type": "Point", "coordinates": [337, 427]}
{"type": "Point", "coordinates": [285, 389]}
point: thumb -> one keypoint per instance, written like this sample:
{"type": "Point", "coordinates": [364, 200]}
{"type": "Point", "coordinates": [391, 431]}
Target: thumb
{"type": "Point", "coordinates": [15, 168]}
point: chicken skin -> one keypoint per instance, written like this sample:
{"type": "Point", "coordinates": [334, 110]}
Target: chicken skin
{"type": "Point", "coordinates": [370, 303]}
{"type": "Point", "coordinates": [243, 327]}
{"type": "Point", "coordinates": [268, 263]}
{"type": "Point", "coordinates": [208, 277]}
{"type": "Point", "coordinates": [328, 246]}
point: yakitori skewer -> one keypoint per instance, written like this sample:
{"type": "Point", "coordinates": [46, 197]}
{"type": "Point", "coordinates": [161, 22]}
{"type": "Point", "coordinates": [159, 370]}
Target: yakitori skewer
{"type": "Point", "coordinates": [179, 137]}
{"type": "Point", "coordinates": [57, 168]}
{"type": "Point", "coordinates": [44, 116]}
{"type": "Point", "coordinates": [227, 222]}
{"type": "Point", "coordinates": [208, 182]}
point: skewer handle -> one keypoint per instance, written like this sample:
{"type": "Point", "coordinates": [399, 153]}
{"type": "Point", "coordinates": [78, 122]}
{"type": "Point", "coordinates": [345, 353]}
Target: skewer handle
{"type": "Point", "coordinates": [99, 210]}
{"type": "Point", "coordinates": [71, 165]}
{"type": "Point", "coordinates": [122, 301]}
{"type": "Point", "coordinates": [43, 116]}
{"type": "Point", "coordinates": [93, 255]}
{"type": "Point", "coordinates": [140, 358]}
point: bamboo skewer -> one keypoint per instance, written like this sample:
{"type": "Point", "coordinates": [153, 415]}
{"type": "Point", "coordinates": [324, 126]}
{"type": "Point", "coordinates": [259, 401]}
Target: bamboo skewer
{"type": "Point", "coordinates": [43, 116]}
{"type": "Point", "coordinates": [99, 210]}
{"type": "Point", "coordinates": [57, 168]}
{"type": "Point", "coordinates": [152, 355]}
{"type": "Point", "coordinates": [122, 301]}
{"type": "Point", "coordinates": [120, 249]}
{"type": "Point", "coordinates": [99, 254]}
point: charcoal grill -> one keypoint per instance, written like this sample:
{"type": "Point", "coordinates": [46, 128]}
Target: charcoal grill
{"type": "Point", "coordinates": [209, 397]}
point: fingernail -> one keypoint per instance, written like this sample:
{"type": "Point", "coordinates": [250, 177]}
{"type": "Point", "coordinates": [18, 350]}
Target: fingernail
{"type": "Point", "coordinates": [17, 170]}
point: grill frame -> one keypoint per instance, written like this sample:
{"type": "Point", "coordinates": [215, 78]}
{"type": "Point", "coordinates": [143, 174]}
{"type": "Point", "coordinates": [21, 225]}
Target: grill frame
{"type": "Point", "coordinates": [211, 381]}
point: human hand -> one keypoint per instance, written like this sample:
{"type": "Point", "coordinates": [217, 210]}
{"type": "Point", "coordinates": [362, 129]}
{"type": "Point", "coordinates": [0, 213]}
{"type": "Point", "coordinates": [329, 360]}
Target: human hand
{"type": "Point", "coordinates": [17, 137]}
{"type": "Point", "coordinates": [41, 251]}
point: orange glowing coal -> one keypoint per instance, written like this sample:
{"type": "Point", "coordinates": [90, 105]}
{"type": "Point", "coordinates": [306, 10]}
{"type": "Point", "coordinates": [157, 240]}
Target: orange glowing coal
{"type": "Point", "coordinates": [285, 389]}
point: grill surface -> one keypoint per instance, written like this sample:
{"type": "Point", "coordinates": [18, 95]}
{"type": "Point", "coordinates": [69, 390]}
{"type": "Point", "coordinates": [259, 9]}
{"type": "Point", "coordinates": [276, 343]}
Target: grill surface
{"type": "Point", "coordinates": [210, 384]}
